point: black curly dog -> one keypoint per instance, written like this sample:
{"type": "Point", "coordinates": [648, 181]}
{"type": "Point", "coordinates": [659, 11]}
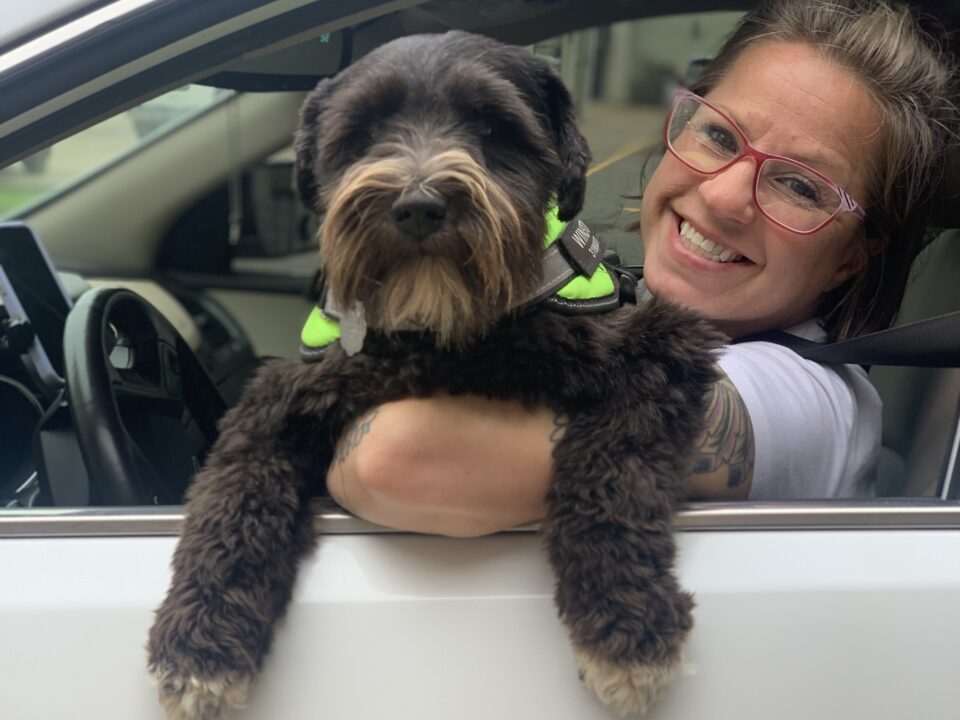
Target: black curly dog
{"type": "Point", "coordinates": [435, 159]}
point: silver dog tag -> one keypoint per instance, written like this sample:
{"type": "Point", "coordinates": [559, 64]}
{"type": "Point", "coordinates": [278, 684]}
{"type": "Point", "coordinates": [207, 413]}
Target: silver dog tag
{"type": "Point", "coordinates": [353, 329]}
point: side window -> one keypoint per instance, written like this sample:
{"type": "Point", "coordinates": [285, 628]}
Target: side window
{"type": "Point", "coordinates": [622, 77]}
{"type": "Point", "coordinates": [276, 233]}
{"type": "Point", "coordinates": [251, 224]}
{"type": "Point", "coordinates": [54, 170]}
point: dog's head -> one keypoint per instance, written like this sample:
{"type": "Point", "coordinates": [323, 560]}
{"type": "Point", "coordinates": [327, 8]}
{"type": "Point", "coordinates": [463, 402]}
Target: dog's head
{"type": "Point", "coordinates": [435, 158]}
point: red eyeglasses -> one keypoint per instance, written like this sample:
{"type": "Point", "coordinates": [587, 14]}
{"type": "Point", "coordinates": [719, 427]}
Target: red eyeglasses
{"type": "Point", "coordinates": [789, 194]}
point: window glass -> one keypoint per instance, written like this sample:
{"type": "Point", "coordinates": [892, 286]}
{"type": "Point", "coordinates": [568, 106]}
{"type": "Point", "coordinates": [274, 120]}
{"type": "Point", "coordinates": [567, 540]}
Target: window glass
{"type": "Point", "coordinates": [621, 76]}
{"type": "Point", "coordinates": [50, 171]}
{"type": "Point", "coordinates": [247, 219]}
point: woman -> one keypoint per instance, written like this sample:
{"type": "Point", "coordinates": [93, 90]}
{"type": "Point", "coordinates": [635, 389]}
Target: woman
{"type": "Point", "coordinates": [851, 99]}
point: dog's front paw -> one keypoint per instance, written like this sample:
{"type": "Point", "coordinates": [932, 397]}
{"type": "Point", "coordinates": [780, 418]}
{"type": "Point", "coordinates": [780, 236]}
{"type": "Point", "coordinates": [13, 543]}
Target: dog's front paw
{"type": "Point", "coordinates": [202, 656]}
{"type": "Point", "coordinates": [628, 689]}
{"type": "Point", "coordinates": [189, 697]}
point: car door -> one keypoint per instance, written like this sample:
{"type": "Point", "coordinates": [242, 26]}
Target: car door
{"type": "Point", "coordinates": [803, 611]}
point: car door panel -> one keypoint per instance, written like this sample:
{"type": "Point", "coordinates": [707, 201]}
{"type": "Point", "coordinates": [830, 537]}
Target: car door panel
{"type": "Point", "coordinates": [790, 623]}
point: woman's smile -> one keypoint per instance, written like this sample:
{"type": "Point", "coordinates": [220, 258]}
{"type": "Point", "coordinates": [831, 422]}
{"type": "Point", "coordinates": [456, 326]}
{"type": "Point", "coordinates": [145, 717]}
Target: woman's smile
{"type": "Point", "coordinates": [715, 252]}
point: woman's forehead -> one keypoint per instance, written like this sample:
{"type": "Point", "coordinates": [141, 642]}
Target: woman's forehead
{"type": "Point", "coordinates": [790, 101]}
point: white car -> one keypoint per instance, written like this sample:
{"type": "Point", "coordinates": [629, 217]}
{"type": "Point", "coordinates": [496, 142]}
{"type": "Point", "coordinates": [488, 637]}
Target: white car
{"type": "Point", "coordinates": [804, 609]}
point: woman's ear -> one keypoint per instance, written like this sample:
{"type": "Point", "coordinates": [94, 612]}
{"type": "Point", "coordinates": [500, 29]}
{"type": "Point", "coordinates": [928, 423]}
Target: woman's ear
{"type": "Point", "coordinates": [859, 255]}
{"type": "Point", "coordinates": [874, 245]}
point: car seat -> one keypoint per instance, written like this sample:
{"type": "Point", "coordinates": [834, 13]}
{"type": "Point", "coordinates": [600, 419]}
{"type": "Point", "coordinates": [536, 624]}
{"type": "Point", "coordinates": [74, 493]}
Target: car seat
{"type": "Point", "coordinates": [920, 404]}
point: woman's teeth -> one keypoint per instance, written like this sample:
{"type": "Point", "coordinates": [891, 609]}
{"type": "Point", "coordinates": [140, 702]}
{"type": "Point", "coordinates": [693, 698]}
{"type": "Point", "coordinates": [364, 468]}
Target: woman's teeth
{"type": "Point", "coordinates": [696, 242]}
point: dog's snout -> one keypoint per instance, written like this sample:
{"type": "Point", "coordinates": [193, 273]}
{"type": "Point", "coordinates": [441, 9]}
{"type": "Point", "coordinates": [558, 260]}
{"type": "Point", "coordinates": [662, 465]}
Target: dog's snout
{"type": "Point", "coordinates": [418, 214]}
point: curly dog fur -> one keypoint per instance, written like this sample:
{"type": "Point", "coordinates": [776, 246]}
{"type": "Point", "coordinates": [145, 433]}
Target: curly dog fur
{"type": "Point", "coordinates": [434, 159]}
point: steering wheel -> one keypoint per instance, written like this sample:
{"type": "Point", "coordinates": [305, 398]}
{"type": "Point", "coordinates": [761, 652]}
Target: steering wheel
{"type": "Point", "coordinates": [144, 409]}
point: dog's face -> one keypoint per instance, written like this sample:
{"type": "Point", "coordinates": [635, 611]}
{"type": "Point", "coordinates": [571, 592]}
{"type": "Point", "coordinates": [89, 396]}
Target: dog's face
{"type": "Point", "coordinates": [434, 158]}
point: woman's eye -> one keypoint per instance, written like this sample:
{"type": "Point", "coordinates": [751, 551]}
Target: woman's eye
{"type": "Point", "coordinates": [800, 189]}
{"type": "Point", "coordinates": [719, 139]}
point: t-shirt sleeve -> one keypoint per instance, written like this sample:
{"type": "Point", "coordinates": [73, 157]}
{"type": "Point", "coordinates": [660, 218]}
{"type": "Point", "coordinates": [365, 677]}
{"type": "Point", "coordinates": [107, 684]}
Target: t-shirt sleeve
{"type": "Point", "coordinates": [816, 427]}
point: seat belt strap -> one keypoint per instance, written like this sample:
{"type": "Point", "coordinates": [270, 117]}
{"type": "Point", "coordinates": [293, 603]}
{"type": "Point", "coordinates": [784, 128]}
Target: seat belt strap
{"type": "Point", "coordinates": [932, 342]}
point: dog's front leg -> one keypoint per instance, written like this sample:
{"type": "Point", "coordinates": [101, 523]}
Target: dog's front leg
{"type": "Point", "coordinates": [247, 524]}
{"type": "Point", "coordinates": [608, 535]}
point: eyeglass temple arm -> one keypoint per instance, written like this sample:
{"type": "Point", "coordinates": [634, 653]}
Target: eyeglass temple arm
{"type": "Point", "coordinates": [848, 204]}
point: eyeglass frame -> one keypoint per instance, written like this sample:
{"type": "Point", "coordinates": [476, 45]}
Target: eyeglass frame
{"type": "Point", "coordinates": [847, 203]}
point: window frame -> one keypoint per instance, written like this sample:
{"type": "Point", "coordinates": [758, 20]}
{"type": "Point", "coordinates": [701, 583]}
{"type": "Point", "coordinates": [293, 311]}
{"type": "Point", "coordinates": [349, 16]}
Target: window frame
{"type": "Point", "coordinates": [329, 519]}
{"type": "Point", "coordinates": [62, 85]}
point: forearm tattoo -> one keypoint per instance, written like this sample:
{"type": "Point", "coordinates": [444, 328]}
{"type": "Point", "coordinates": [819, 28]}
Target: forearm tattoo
{"type": "Point", "coordinates": [353, 436]}
{"type": "Point", "coordinates": [728, 438]}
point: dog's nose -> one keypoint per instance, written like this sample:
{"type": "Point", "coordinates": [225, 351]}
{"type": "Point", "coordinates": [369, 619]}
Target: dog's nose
{"type": "Point", "coordinates": [418, 214]}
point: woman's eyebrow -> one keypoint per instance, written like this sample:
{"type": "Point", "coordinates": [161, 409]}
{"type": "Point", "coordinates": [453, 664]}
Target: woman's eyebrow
{"type": "Point", "coordinates": [817, 161]}
{"type": "Point", "coordinates": [820, 163]}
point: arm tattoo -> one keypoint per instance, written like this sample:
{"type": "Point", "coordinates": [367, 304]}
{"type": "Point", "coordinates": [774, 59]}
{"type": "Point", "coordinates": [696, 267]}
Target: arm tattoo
{"type": "Point", "coordinates": [560, 424]}
{"type": "Point", "coordinates": [353, 436]}
{"type": "Point", "coordinates": [728, 438]}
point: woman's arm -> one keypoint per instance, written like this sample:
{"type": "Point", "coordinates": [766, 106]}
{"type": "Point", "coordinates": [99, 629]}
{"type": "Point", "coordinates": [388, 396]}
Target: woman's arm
{"type": "Point", "coordinates": [460, 466]}
{"type": "Point", "coordinates": [467, 466]}
{"type": "Point", "coordinates": [723, 469]}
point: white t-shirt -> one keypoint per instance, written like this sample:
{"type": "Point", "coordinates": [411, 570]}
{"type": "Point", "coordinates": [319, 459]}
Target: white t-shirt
{"type": "Point", "coordinates": [816, 427]}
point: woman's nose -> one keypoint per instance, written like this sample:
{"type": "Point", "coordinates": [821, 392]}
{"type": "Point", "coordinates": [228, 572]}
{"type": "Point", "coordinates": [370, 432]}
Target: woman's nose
{"type": "Point", "coordinates": [729, 194]}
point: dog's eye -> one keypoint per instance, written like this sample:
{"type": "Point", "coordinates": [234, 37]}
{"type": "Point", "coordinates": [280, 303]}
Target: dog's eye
{"type": "Point", "coordinates": [484, 128]}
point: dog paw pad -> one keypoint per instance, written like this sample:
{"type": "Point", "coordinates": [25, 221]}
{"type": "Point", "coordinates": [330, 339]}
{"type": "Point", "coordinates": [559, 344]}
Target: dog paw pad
{"type": "Point", "coordinates": [627, 689]}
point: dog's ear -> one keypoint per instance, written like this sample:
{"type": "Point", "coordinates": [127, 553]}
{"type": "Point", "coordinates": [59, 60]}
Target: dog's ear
{"type": "Point", "coordinates": [571, 145]}
{"type": "Point", "coordinates": [305, 145]}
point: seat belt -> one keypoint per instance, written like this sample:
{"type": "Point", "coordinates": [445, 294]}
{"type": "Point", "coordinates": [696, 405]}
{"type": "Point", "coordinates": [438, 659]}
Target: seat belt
{"type": "Point", "coordinates": [932, 342]}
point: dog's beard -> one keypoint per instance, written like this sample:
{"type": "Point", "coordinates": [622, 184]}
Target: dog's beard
{"type": "Point", "coordinates": [456, 282]}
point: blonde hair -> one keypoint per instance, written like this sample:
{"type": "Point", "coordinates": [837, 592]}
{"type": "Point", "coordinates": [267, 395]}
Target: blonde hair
{"type": "Point", "coordinates": [910, 78]}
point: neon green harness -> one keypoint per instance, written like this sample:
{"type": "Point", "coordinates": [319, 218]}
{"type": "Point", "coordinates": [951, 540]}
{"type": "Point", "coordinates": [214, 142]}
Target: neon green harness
{"type": "Point", "coordinates": [579, 294]}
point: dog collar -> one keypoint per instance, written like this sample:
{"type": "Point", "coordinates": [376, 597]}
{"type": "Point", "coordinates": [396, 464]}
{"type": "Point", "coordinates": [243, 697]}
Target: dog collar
{"type": "Point", "coordinates": [575, 282]}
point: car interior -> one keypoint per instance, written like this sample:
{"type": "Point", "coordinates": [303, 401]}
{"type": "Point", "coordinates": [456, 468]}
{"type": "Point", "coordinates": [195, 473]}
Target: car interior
{"type": "Point", "coordinates": [184, 257]}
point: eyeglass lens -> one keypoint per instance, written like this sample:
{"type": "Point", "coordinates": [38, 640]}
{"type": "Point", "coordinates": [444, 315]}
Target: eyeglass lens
{"type": "Point", "coordinates": [787, 193]}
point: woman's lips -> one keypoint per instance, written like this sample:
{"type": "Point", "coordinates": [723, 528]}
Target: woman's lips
{"type": "Point", "coordinates": [690, 245]}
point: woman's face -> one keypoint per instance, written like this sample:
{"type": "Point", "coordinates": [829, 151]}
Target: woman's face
{"type": "Point", "coordinates": [788, 102]}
